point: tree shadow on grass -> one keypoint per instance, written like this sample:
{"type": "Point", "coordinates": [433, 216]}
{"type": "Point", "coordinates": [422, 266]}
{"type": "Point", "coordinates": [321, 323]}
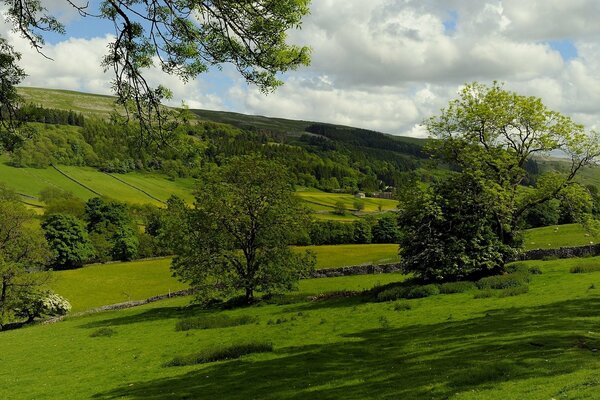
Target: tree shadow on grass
{"type": "Point", "coordinates": [414, 362]}
{"type": "Point", "coordinates": [153, 314]}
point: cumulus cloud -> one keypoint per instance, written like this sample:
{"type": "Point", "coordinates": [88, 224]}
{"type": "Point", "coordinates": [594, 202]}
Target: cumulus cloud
{"type": "Point", "coordinates": [385, 64]}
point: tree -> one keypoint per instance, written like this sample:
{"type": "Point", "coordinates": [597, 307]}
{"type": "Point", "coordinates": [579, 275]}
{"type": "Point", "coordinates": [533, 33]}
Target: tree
{"type": "Point", "coordinates": [339, 208]}
{"type": "Point", "coordinates": [487, 135]}
{"type": "Point", "coordinates": [490, 134]}
{"type": "Point", "coordinates": [386, 229]}
{"type": "Point", "coordinates": [110, 222]}
{"type": "Point", "coordinates": [237, 235]}
{"type": "Point", "coordinates": [184, 37]}
{"type": "Point", "coordinates": [68, 240]}
{"type": "Point", "coordinates": [22, 251]}
{"type": "Point", "coordinates": [359, 205]}
{"type": "Point", "coordinates": [11, 134]}
{"type": "Point", "coordinates": [449, 231]}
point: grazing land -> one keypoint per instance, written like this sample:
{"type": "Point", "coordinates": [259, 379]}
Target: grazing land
{"type": "Point", "coordinates": [86, 182]}
{"type": "Point", "coordinates": [552, 237]}
{"type": "Point", "coordinates": [539, 345]}
{"type": "Point", "coordinates": [100, 284]}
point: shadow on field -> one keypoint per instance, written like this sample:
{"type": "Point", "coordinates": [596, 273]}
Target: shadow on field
{"type": "Point", "coordinates": [153, 314]}
{"type": "Point", "coordinates": [415, 362]}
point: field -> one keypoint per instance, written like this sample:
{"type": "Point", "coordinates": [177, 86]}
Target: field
{"type": "Point", "coordinates": [101, 284]}
{"type": "Point", "coordinates": [539, 345]}
{"type": "Point", "coordinates": [86, 182]}
{"type": "Point", "coordinates": [88, 104]}
{"type": "Point", "coordinates": [551, 237]}
{"type": "Point", "coordinates": [322, 201]}
{"type": "Point", "coordinates": [141, 188]}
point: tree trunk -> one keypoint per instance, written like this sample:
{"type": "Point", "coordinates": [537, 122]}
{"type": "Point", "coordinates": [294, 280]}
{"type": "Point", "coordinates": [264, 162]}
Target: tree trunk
{"type": "Point", "coordinates": [249, 295]}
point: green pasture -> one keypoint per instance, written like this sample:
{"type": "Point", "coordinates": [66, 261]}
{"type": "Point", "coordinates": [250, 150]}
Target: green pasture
{"type": "Point", "coordinates": [30, 181]}
{"type": "Point", "coordinates": [552, 237]}
{"type": "Point", "coordinates": [100, 284]}
{"type": "Point", "coordinates": [353, 254]}
{"type": "Point", "coordinates": [322, 201]}
{"type": "Point", "coordinates": [539, 345]}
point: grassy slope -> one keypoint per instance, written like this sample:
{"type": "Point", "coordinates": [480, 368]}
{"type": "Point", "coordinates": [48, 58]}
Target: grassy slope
{"type": "Point", "coordinates": [551, 237]}
{"type": "Point", "coordinates": [86, 103]}
{"type": "Point", "coordinates": [97, 285]}
{"type": "Point", "coordinates": [30, 181]}
{"type": "Point", "coordinates": [533, 346]}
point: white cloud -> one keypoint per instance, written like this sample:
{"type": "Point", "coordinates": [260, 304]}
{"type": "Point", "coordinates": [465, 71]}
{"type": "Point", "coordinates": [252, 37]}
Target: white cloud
{"type": "Point", "coordinates": [386, 64]}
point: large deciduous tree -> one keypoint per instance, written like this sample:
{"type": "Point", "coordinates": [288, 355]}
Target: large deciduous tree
{"type": "Point", "coordinates": [237, 235]}
{"type": "Point", "coordinates": [23, 250]}
{"type": "Point", "coordinates": [489, 135]}
{"type": "Point", "coordinates": [181, 37]}
{"type": "Point", "coordinates": [68, 241]}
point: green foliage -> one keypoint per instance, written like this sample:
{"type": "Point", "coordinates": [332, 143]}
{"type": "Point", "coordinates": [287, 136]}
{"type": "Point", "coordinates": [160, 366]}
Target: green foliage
{"type": "Point", "coordinates": [221, 353]}
{"type": "Point", "coordinates": [359, 205]}
{"type": "Point", "coordinates": [237, 236]}
{"type": "Point", "coordinates": [22, 251]}
{"type": "Point", "coordinates": [339, 208]}
{"type": "Point", "coordinates": [111, 229]}
{"type": "Point", "coordinates": [584, 268]}
{"type": "Point", "coordinates": [11, 135]}
{"type": "Point", "coordinates": [53, 145]}
{"type": "Point", "coordinates": [362, 231]}
{"type": "Point", "coordinates": [457, 287]}
{"type": "Point", "coordinates": [213, 322]}
{"type": "Point", "coordinates": [36, 304]}
{"type": "Point", "coordinates": [68, 241]}
{"type": "Point", "coordinates": [503, 281]}
{"type": "Point", "coordinates": [386, 229]}
{"type": "Point", "coordinates": [58, 201]}
{"type": "Point", "coordinates": [450, 231]}
{"type": "Point", "coordinates": [513, 291]}
{"type": "Point", "coordinates": [408, 292]}
{"type": "Point", "coordinates": [543, 214]}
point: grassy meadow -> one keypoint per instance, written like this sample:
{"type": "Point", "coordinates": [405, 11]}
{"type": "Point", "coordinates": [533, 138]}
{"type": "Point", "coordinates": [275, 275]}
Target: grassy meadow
{"type": "Point", "coordinates": [538, 345]}
{"type": "Point", "coordinates": [551, 237]}
{"type": "Point", "coordinates": [100, 284]}
{"type": "Point", "coordinates": [322, 201]}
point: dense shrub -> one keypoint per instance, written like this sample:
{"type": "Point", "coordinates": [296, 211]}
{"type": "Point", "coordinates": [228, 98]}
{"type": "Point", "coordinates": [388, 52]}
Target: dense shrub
{"type": "Point", "coordinates": [214, 321]}
{"type": "Point", "coordinates": [417, 292]}
{"type": "Point", "coordinates": [221, 353]}
{"type": "Point", "coordinates": [41, 304]}
{"type": "Point", "coordinates": [408, 292]}
{"type": "Point", "coordinates": [457, 287]}
{"type": "Point", "coordinates": [503, 281]}
{"type": "Point", "coordinates": [585, 268]}
{"type": "Point", "coordinates": [393, 293]}
{"type": "Point", "coordinates": [513, 291]}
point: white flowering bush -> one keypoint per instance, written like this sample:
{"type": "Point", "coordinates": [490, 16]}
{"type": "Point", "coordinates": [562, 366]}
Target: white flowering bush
{"type": "Point", "coordinates": [54, 304]}
{"type": "Point", "coordinates": [37, 304]}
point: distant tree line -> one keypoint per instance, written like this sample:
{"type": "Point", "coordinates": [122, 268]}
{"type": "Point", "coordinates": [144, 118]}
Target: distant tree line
{"type": "Point", "coordinates": [37, 113]}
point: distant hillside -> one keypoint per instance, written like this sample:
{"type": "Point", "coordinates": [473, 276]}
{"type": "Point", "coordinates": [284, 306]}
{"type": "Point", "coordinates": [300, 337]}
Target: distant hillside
{"type": "Point", "coordinates": [102, 105]}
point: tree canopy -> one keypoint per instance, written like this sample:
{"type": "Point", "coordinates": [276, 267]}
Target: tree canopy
{"type": "Point", "coordinates": [181, 37]}
{"type": "Point", "coordinates": [237, 235]}
{"type": "Point", "coordinates": [488, 135]}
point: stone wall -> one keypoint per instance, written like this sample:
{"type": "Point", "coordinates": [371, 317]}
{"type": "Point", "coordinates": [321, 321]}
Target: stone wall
{"type": "Point", "coordinates": [562, 252]}
{"type": "Point", "coordinates": [356, 270]}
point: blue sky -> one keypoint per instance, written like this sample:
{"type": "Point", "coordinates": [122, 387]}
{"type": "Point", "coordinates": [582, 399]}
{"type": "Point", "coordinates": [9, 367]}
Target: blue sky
{"type": "Point", "coordinates": [379, 64]}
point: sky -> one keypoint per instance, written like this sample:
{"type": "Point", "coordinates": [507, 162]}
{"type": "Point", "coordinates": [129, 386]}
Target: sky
{"type": "Point", "coordinates": [384, 65]}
